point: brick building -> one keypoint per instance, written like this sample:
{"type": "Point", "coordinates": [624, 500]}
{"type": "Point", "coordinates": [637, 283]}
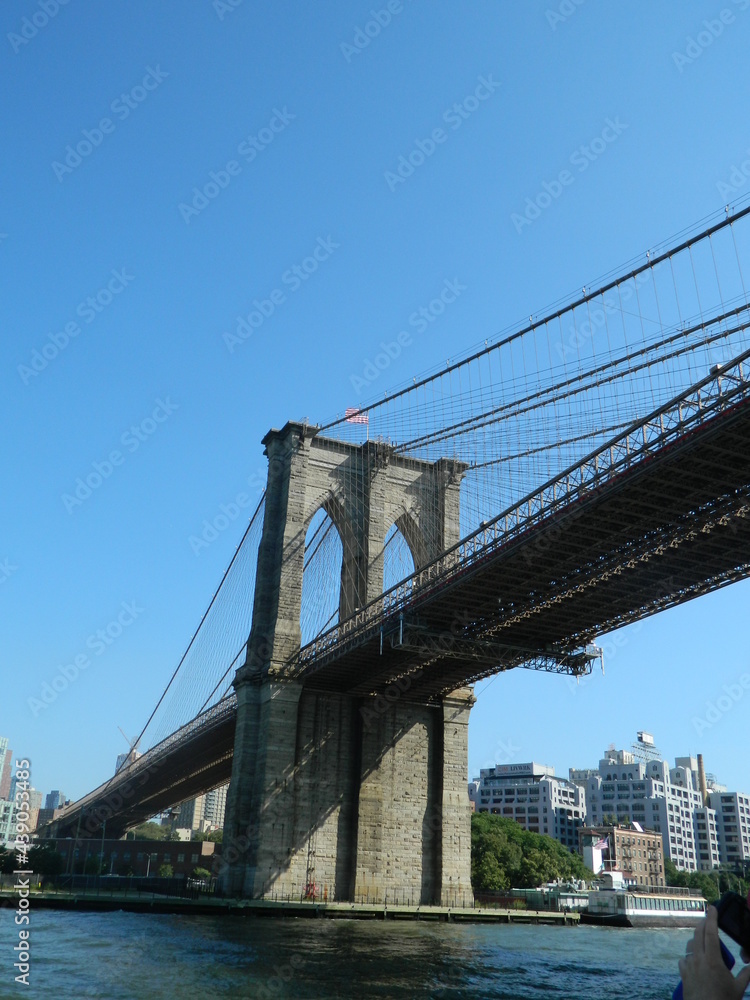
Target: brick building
{"type": "Point", "coordinates": [142, 857]}
{"type": "Point", "coordinates": [637, 853]}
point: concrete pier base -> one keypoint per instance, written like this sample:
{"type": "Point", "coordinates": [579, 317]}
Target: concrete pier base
{"type": "Point", "coordinates": [343, 805]}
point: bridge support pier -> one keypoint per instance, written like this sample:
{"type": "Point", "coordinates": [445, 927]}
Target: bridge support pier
{"type": "Point", "coordinates": [347, 803]}
{"type": "Point", "coordinates": [329, 793]}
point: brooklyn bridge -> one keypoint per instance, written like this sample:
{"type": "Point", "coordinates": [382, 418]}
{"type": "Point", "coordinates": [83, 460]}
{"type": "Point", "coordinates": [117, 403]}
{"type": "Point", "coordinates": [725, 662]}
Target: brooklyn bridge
{"type": "Point", "coordinates": [582, 471]}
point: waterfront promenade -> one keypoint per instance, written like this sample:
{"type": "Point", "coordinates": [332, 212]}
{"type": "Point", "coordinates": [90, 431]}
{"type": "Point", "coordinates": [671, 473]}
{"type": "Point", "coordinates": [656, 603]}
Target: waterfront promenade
{"type": "Point", "coordinates": [135, 901]}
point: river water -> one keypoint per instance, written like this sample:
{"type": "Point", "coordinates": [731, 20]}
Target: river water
{"type": "Point", "coordinates": [130, 956]}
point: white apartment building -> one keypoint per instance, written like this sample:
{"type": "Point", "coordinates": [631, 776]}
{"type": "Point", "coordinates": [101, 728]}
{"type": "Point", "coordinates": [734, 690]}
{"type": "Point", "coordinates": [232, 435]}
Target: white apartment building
{"type": "Point", "coordinates": [7, 823]}
{"type": "Point", "coordinates": [628, 787]}
{"type": "Point", "coordinates": [533, 796]}
{"type": "Point", "coordinates": [215, 805]}
{"type": "Point", "coordinates": [706, 839]}
{"type": "Point", "coordinates": [666, 800]}
{"type": "Point", "coordinates": [732, 811]}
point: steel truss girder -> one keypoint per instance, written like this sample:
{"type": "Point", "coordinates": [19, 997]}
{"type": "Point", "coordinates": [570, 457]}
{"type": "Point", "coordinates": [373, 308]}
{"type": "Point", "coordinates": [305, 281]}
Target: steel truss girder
{"type": "Point", "coordinates": [429, 644]}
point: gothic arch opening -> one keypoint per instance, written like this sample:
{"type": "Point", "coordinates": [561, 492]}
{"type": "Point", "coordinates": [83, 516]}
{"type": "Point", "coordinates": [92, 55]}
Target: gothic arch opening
{"type": "Point", "coordinates": [321, 576]}
{"type": "Point", "coordinates": [399, 558]}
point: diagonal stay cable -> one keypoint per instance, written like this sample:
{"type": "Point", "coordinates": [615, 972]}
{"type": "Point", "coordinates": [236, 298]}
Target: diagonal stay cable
{"type": "Point", "coordinates": [544, 398]}
{"type": "Point", "coordinates": [218, 683]}
{"type": "Point", "coordinates": [205, 615]}
{"type": "Point", "coordinates": [551, 447]}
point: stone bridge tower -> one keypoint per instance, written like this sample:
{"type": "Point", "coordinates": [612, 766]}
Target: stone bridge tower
{"type": "Point", "coordinates": [364, 804]}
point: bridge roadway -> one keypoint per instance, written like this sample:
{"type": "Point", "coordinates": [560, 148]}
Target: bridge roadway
{"type": "Point", "coordinates": [657, 517]}
{"type": "Point", "coordinates": [191, 761]}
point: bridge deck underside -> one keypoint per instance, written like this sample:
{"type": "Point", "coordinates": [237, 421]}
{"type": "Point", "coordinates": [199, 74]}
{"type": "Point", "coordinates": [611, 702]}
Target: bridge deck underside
{"type": "Point", "coordinates": [669, 528]}
{"type": "Point", "coordinates": [199, 762]}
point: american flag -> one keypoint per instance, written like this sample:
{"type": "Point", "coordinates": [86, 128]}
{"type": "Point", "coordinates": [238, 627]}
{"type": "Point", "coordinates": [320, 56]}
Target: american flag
{"type": "Point", "coordinates": [602, 844]}
{"type": "Point", "coordinates": [355, 416]}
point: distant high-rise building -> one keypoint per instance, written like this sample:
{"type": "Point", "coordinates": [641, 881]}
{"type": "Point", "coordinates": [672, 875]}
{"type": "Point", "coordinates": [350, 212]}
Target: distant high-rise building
{"type": "Point", "coordinates": [204, 812]}
{"type": "Point", "coordinates": [190, 816]}
{"type": "Point", "coordinates": [215, 806]}
{"type": "Point", "coordinates": [6, 768]}
{"type": "Point", "coordinates": [35, 804]}
{"type": "Point", "coordinates": [131, 757]}
{"type": "Point", "coordinates": [54, 800]}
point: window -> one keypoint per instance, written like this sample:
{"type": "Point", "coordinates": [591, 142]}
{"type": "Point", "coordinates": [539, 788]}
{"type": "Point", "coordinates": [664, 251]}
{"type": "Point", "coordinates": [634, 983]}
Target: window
{"type": "Point", "coordinates": [167, 857]}
{"type": "Point", "coordinates": [180, 858]}
{"type": "Point", "coordinates": [193, 858]}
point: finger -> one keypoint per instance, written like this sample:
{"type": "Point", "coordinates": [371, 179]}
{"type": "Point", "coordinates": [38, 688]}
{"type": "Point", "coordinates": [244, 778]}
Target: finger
{"type": "Point", "coordinates": [711, 933]}
{"type": "Point", "coordinates": [700, 933]}
{"type": "Point", "coordinates": [712, 943]}
{"type": "Point", "coordinates": [743, 978]}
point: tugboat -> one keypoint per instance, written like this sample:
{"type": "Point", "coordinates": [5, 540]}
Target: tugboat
{"type": "Point", "coordinates": [614, 903]}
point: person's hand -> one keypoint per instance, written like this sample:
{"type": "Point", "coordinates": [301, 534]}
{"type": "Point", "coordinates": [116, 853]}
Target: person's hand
{"type": "Point", "coordinates": [702, 970]}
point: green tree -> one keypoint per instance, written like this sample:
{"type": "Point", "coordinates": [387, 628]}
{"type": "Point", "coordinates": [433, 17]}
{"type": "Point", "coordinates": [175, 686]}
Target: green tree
{"type": "Point", "coordinates": [166, 871]}
{"type": "Point", "coordinates": [708, 886]}
{"type": "Point", "coordinates": [45, 859]}
{"type": "Point", "coordinates": [215, 836]}
{"type": "Point", "coordinates": [505, 856]}
{"type": "Point", "coordinates": [7, 861]}
{"type": "Point", "coordinates": [150, 831]}
{"type": "Point", "coordinates": [539, 866]}
{"type": "Point", "coordinates": [94, 866]}
{"type": "Point", "coordinates": [673, 875]}
{"type": "Point", "coordinates": [489, 874]}
{"type": "Point", "coordinates": [200, 873]}
{"type": "Point", "coordinates": [711, 884]}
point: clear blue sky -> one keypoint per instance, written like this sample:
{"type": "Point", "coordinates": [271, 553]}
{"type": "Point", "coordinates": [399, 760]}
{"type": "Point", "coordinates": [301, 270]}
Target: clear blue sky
{"type": "Point", "coordinates": [314, 121]}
